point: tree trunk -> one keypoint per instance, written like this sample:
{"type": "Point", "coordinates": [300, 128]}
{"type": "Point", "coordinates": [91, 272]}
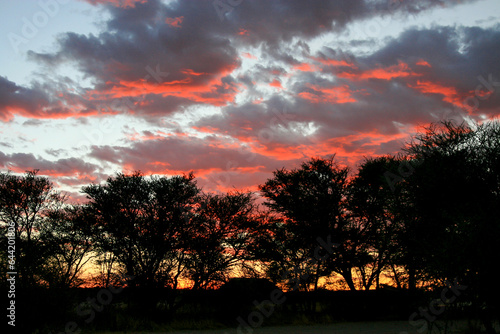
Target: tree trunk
{"type": "Point", "coordinates": [412, 282]}
{"type": "Point", "coordinates": [316, 277]}
{"type": "Point", "coordinates": [396, 278]}
{"type": "Point", "coordinates": [347, 274]}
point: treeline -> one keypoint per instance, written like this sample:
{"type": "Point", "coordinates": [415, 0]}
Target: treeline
{"type": "Point", "coordinates": [427, 217]}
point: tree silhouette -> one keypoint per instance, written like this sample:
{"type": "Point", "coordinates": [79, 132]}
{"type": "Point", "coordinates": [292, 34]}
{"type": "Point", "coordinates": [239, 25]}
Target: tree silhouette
{"type": "Point", "coordinates": [25, 202]}
{"type": "Point", "coordinates": [455, 192]}
{"type": "Point", "coordinates": [220, 233]}
{"type": "Point", "coordinates": [68, 237]}
{"type": "Point", "coordinates": [426, 217]}
{"type": "Point", "coordinates": [310, 202]}
{"type": "Point", "coordinates": [140, 221]}
{"type": "Point", "coordinates": [371, 207]}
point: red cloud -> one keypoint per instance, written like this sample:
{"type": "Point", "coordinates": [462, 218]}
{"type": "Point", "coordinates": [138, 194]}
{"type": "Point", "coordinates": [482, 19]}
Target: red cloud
{"type": "Point", "coordinates": [387, 73]}
{"type": "Point", "coordinates": [422, 62]}
{"type": "Point", "coordinates": [189, 71]}
{"type": "Point", "coordinates": [174, 21]}
{"type": "Point", "coordinates": [337, 94]}
{"type": "Point", "coordinates": [333, 62]}
{"type": "Point", "coordinates": [38, 103]}
{"type": "Point", "coordinates": [55, 111]}
{"type": "Point", "coordinates": [305, 67]}
{"type": "Point", "coordinates": [206, 129]}
{"type": "Point", "coordinates": [276, 83]}
{"type": "Point", "coordinates": [215, 91]}
{"type": "Point", "coordinates": [450, 94]}
{"type": "Point", "coordinates": [279, 151]}
{"type": "Point", "coordinates": [349, 149]}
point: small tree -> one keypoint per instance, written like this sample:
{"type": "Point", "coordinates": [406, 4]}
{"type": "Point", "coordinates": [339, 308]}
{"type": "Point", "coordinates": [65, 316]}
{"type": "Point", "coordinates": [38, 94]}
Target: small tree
{"type": "Point", "coordinates": [68, 236]}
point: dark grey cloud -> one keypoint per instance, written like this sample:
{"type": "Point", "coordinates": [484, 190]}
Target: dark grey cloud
{"type": "Point", "coordinates": [218, 163]}
{"type": "Point", "coordinates": [141, 53]}
{"type": "Point", "coordinates": [20, 162]}
{"type": "Point", "coordinates": [180, 153]}
{"type": "Point", "coordinates": [17, 99]}
{"type": "Point", "coordinates": [153, 59]}
{"type": "Point", "coordinates": [42, 100]}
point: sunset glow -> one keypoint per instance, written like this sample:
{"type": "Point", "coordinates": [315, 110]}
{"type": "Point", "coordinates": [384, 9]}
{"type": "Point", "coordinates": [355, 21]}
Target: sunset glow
{"type": "Point", "coordinates": [234, 92]}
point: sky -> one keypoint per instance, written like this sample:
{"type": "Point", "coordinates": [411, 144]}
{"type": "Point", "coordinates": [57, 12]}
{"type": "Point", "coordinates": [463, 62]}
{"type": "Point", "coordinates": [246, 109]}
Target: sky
{"type": "Point", "coordinates": [234, 89]}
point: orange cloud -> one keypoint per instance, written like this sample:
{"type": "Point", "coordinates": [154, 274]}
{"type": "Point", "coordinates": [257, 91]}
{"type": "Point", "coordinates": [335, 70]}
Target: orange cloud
{"type": "Point", "coordinates": [422, 62]}
{"type": "Point", "coordinates": [279, 152]}
{"type": "Point", "coordinates": [161, 167]}
{"type": "Point", "coordinates": [350, 149]}
{"type": "Point", "coordinates": [450, 94]}
{"type": "Point", "coordinates": [197, 91]}
{"type": "Point", "coordinates": [333, 62]}
{"type": "Point", "coordinates": [338, 94]}
{"type": "Point", "coordinates": [305, 67]}
{"type": "Point", "coordinates": [56, 111]}
{"type": "Point", "coordinates": [243, 32]}
{"type": "Point", "coordinates": [189, 71]}
{"type": "Point", "coordinates": [174, 21]}
{"type": "Point", "coordinates": [395, 71]}
{"type": "Point", "coordinates": [276, 83]}
{"type": "Point", "coordinates": [206, 129]}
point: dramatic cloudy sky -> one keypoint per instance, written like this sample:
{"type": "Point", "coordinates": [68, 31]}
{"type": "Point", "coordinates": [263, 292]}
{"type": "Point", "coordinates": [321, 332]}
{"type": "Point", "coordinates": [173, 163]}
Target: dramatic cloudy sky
{"type": "Point", "coordinates": [234, 89]}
